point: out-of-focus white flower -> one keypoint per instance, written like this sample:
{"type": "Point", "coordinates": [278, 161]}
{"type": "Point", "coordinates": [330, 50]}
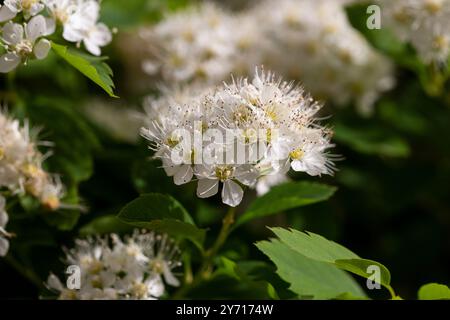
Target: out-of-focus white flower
{"type": "Point", "coordinates": [423, 23]}
{"type": "Point", "coordinates": [80, 21]}
{"type": "Point", "coordinates": [21, 169]}
{"type": "Point", "coordinates": [235, 134]}
{"type": "Point", "coordinates": [312, 40]}
{"type": "Point", "coordinates": [11, 8]}
{"type": "Point", "coordinates": [265, 183]}
{"type": "Point", "coordinates": [136, 268]}
{"type": "Point", "coordinates": [24, 42]}
{"type": "Point", "coordinates": [198, 45]}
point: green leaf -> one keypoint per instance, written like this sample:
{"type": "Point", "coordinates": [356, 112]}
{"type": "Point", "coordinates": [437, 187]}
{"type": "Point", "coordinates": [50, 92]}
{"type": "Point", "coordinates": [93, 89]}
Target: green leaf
{"type": "Point", "coordinates": [309, 278]}
{"type": "Point", "coordinates": [318, 248]}
{"type": "Point", "coordinates": [286, 196]}
{"type": "Point", "coordinates": [164, 214]}
{"type": "Point", "coordinates": [434, 291]}
{"type": "Point", "coordinates": [92, 67]}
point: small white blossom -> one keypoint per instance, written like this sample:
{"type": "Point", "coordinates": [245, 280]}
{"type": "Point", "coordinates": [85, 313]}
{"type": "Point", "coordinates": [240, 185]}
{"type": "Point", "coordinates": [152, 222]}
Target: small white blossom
{"type": "Point", "coordinates": [23, 42]}
{"type": "Point", "coordinates": [136, 268]}
{"type": "Point", "coordinates": [80, 21]}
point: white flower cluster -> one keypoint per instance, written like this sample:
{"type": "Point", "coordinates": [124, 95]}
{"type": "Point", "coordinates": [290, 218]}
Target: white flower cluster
{"type": "Point", "coordinates": [111, 268]}
{"type": "Point", "coordinates": [27, 40]}
{"type": "Point", "coordinates": [313, 40]}
{"type": "Point", "coordinates": [237, 134]}
{"type": "Point", "coordinates": [198, 45]}
{"type": "Point", "coordinates": [308, 40]}
{"type": "Point", "coordinates": [21, 172]}
{"type": "Point", "coordinates": [423, 23]}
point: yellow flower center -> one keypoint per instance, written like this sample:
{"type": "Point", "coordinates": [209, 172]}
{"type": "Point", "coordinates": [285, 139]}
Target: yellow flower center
{"type": "Point", "coordinates": [296, 154]}
{"type": "Point", "coordinates": [224, 173]}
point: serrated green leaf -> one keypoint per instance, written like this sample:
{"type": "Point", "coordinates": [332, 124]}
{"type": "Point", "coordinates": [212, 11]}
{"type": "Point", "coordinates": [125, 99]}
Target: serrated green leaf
{"type": "Point", "coordinates": [162, 213]}
{"type": "Point", "coordinates": [309, 278]}
{"type": "Point", "coordinates": [92, 67]}
{"type": "Point", "coordinates": [284, 197]}
{"type": "Point", "coordinates": [434, 291]}
{"type": "Point", "coordinates": [316, 247]}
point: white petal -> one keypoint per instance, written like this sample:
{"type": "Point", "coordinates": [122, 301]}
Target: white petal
{"type": "Point", "coordinates": [169, 277]}
{"type": "Point", "coordinates": [92, 47]}
{"type": "Point", "coordinates": [4, 246]}
{"type": "Point", "coordinates": [3, 218]}
{"type": "Point", "coordinates": [247, 178]}
{"type": "Point", "coordinates": [183, 175]}
{"type": "Point", "coordinates": [298, 166]}
{"type": "Point", "coordinates": [232, 193]}
{"type": "Point", "coordinates": [6, 14]}
{"type": "Point", "coordinates": [100, 35]}
{"type": "Point", "coordinates": [35, 28]}
{"type": "Point", "coordinates": [36, 8]}
{"type": "Point", "coordinates": [207, 188]}
{"type": "Point", "coordinates": [41, 49]}
{"type": "Point", "coordinates": [72, 34]}
{"type": "Point", "coordinates": [9, 62]}
{"type": "Point", "coordinates": [50, 25]}
{"type": "Point", "coordinates": [12, 33]}
{"type": "Point", "coordinates": [89, 11]}
{"type": "Point", "coordinates": [156, 286]}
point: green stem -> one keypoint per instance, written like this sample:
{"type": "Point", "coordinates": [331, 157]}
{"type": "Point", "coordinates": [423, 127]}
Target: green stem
{"type": "Point", "coordinates": [392, 292]}
{"type": "Point", "coordinates": [206, 269]}
{"type": "Point", "coordinates": [227, 222]}
{"type": "Point", "coordinates": [26, 273]}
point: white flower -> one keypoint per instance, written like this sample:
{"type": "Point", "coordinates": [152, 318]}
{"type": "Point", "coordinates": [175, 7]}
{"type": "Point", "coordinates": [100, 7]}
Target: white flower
{"type": "Point", "coordinates": [232, 193]}
{"type": "Point", "coordinates": [313, 41]}
{"type": "Point", "coordinates": [196, 45]}
{"type": "Point", "coordinates": [11, 8]}
{"type": "Point", "coordinates": [236, 133]}
{"type": "Point", "coordinates": [136, 268]}
{"type": "Point", "coordinates": [423, 23]}
{"type": "Point", "coordinates": [23, 42]}
{"type": "Point", "coordinates": [266, 182]}
{"type": "Point", "coordinates": [80, 21]}
{"type": "Point", "coordinates": [21, 171]}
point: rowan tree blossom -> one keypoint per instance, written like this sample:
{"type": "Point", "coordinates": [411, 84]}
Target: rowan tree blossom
{"type": "Point", "coordinates": [137, 267]}
{"type": "Point", "coordinates": [423, 23]}
{"type": "Point", "coordinates": [236, 133]}
{"type": "Point", "coordinates": [21, 170]}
